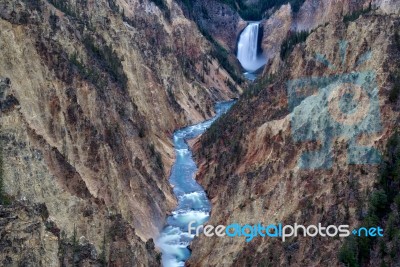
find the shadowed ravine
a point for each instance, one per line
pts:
(193, 204)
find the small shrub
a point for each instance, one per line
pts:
(356, 14)
(89, 73)
(64, 6)
(103, 254)
(347, 254)
(113, 6)
(162, 5)
(395, 91)
(156, 156)
(2, 194)
(378, 203)
(53, 20)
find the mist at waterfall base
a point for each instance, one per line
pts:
(247, 50)
(193, 204)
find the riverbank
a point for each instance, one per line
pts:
(193, 204)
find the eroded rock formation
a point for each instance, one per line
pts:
(91, 93)
(250, 160)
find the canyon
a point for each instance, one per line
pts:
(90, 97)
(253, 162)
(92, 92)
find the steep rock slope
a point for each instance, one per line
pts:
(221, 25)
(315, 13)
(285, 22)
(31, 238)
(250, 160)
(91, 92)
(220, 21)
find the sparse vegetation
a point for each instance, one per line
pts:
(187, 66)
(395, 77)
(256, 9)
(347, 255)
(71, 252)
(33, 4)
(156, 157)
(231, 85)
(255, 88)
(89, 73)
(356, 14)
(173, 101)
(222, 55)
(53, 20)
(62, 251)
(4, 198)
(103, 254)
(74, 241)
(289, 43)
(162, 5)
(108, 59)
(65, 6)
(1, 178)
(114, 6)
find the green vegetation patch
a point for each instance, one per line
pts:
(356, 14)
(291, 41)
(383, 210)
(256, 10)
(4, 198)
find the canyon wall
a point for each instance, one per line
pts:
(91, 92)
(222, 22)
(284, 22)
(253, 162)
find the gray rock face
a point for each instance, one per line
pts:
(27, 237)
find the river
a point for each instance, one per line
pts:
(193, 204)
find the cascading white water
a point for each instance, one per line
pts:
(247, 53)
(193, 204)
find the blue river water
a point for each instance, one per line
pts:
(193, 204)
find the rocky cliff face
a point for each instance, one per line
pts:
(25, 226)
(315, 13)
(284, 21)
(91, 92)
(251, 161)
(31, 238)
(220, 21)
(275, 30)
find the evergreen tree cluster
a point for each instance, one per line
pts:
(254, 11)
(289, 43)
(356, 14)
(383, 211)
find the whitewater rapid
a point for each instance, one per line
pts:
(193, 204)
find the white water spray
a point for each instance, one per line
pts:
(248, 54)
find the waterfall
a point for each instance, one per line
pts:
(248, 53)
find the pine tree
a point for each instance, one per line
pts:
(2, 194)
